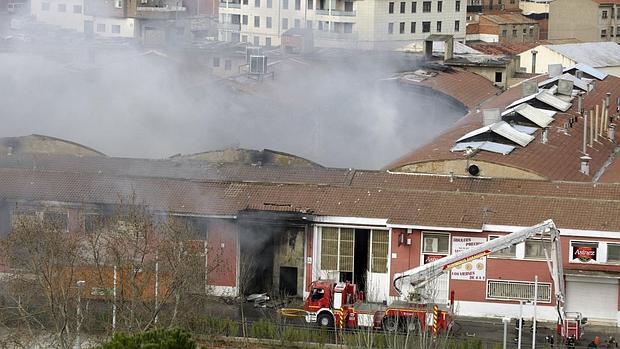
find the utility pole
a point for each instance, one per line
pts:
(534, 322)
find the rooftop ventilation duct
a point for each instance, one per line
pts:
(529, 88)
(490, 116)
(555, 70)
(565, 87)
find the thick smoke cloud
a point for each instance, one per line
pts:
(341, 111)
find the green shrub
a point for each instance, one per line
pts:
(264, 329)
(157, 339)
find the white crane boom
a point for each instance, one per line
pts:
(419, 276)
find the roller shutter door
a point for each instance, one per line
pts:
(595, 298)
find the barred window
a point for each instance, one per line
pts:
(517, 290)
(379, 251)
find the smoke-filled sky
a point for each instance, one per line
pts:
(338, 111)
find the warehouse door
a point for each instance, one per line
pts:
(595, 298)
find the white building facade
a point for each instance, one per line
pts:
(364, 24)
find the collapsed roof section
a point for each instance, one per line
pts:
(501, 129)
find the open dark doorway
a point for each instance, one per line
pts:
(256, 260)
(288, 281)
(360, 267)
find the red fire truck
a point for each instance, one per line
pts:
(334, 304)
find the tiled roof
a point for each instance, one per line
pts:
(401, 199)
(468, 88)
(603, 2)
(556, 160)
(514, 48)
(508, 19)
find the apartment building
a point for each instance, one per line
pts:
(585, 20)
(492, 6)
(364, 24)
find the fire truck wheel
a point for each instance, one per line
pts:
(390, 324)
(325, 320)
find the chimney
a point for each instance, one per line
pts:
(585, 132)
(579, 104)
(554, 70)
(529, 87)
(585, 165)
(611, 133)
(544, 135)
(448, 49)
(607, 99)
(591, 128)
(534, 52)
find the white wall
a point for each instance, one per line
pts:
(544, 57)
(127, 26)
(68, 19)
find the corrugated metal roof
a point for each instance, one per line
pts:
(522, 100)
(525, 129)
(582, 85)
(533, 114)
(503, 129)
(553, 101)
(588, 70)
(488, 146)
(594, 54)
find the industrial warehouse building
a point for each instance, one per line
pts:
(300, 221)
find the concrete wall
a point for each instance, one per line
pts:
(544, 57)
(289, 252)
(458, 167)
(579, 19)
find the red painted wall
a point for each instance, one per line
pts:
(222, 252)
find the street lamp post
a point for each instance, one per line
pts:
(80, 286)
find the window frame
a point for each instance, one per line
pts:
(427, 7)
(615, 262)
(498, 254)
(535, 258)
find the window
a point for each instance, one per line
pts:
(535, 249)
(498, 76)
(268, 22)
(55, 220)
(77, 8)
(244, 38)
(297, 5)
(100, 27)
(613, 253)
(457, 6)
(391, 7)
(297, 23)
(244, 19)
(337, 249)
(309, 24)
(245, 2)
(603, 33)
(62, 8)
(390, 28)
(508, 252)
(284, 23)
(514, 33)
(403, 5)
(310, 5)
(348, 28)
(256, 3)
(604, 14)
(116, 29)
(426, 6)
(216, 62)
(401, 29)
(45, 6)
(285, 4)
(414, 7)
(531, 31)
(439, 6)
(457, 26)
(320, 25)
(412, 27)
(379, 245)
(518, 290)
(228, 62)
(439, 26)
(426, 27)
(256, 21)
(256, 41)
(504, 32)
(436, 243)
(348, 6)
(269, 3)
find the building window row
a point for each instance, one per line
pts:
(269, 22)
(426, 27)
(285, 5)
(426, 6)
(45, 6)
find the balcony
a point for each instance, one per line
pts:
(335, 13)
(230, 4)
(229, 27)
(161, 9)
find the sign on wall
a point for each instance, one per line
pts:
(471, 270)
(584, 252)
